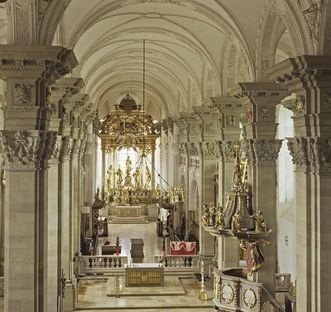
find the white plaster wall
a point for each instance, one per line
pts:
(286, 215)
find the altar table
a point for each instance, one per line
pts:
(144, 274)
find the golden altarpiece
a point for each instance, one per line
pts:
(130, 188)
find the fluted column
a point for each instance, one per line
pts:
(309, 78)
(259, 101)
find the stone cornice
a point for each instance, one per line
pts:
(256, 89)
(47, 62)
(306, 68)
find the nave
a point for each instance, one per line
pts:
(180, 291)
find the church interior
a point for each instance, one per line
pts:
(161, 155)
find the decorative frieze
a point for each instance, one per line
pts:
(22, 149)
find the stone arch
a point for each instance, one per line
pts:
(276, 19)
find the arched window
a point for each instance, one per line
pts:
(286, 217)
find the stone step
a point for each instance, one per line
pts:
(129, 220)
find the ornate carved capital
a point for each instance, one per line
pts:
(228, 150)
(22, 149)
(312, 154)
(210, 150)
(298, 148)
(66, 150)
(76, 148)
(53, 148)
(194, 149)
(266, 150)
(182, 148)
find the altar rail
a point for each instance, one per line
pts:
(181, 263)
(239, 294)
(103, 263)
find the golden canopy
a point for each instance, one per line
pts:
(128, 126)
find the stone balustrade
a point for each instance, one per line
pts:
(233, 292)
(185, 263)
(103, 263)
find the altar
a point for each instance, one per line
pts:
(144, 274)
(129, 211)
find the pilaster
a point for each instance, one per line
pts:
(259, 101)
(309, 77)
(230, 110)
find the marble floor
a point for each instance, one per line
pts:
(94, 295)
(152, 243)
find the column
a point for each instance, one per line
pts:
(153, 168)
(28, 252)
(259, 101)
(231, 115)
(309, 78)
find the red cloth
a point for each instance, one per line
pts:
(183, 248)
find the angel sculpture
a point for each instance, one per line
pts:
(212, 214)
(235, 223)
(260, 225)
(219, 222)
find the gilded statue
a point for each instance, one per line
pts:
(235, 223)
(109, 183)
(260, 225)
(205, 216)
(128, 165)
(148, 178)
(137, 178)
(119, 177)
(219, 222)
(212, 214)
(158, 191)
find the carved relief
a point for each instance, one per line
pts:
(326, 102)
(210, 126)
(266, 150)
(22, 94)
(193, 149)
(22, 15)
(209, 149)
(182, 148)
(265, 114)
(231, 121)
(22, 149)
(298, 148)
(313, 17)
(228, 150)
